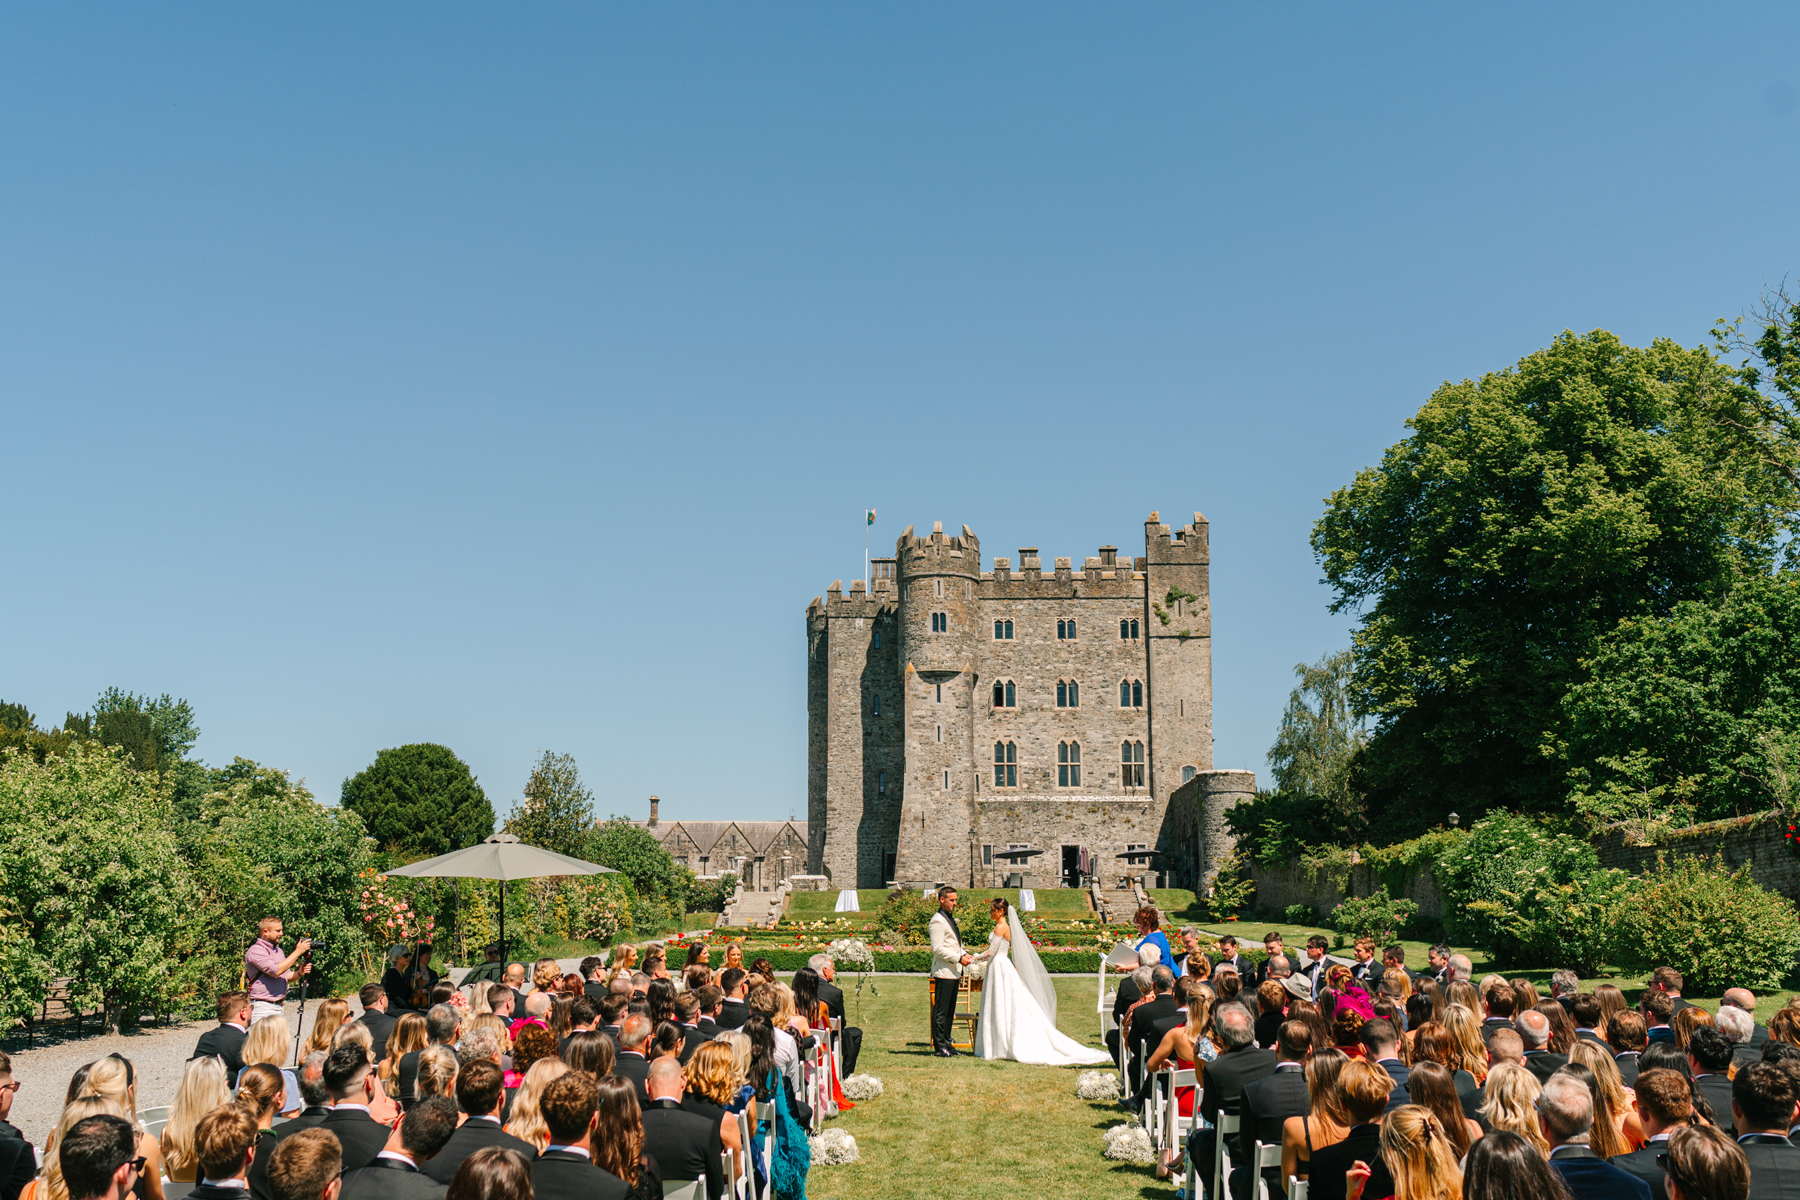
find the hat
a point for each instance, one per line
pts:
(1298, 987)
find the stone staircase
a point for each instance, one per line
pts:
(755, 908)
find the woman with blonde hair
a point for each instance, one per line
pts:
(1185, 1045)
(624, 958)
(545, 975)
(408, 1035)
(1325, 1125)
(709, 1089)
(1398, 984)
(1463, 992)
(203, 1088)
(49, 1184)
(1510, 1103)
(437, 1073)
(332, 1013)
(268, 1044)
(1420, 1155)
(527, 1118)
(1464, 1029)
(1686, 1021)
(1613, 1099)
(112, 1078)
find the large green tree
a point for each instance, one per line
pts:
(419, 799)
(1527, 514)
(1320, 736)
(557, 812)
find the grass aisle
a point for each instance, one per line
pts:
(964, 1129)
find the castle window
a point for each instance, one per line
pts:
(940, 622)
(1128, 630)
(1006, 765)
(1188, 773)
(940, 693)
(1004, 695)
(1068, 694)
(1065, 630)
(939, 587)
(940, 730)
(1131, 693)
(1003, 631)
(987, 855)
(877, 700)
(1068, 764)
(1131, 764)
(946, 779)
(881, 783)
(878, 639)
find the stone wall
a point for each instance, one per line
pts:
(1757, 842)
(1289, 883)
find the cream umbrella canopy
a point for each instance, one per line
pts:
(503, 857)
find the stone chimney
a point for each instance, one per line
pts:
(653, 805)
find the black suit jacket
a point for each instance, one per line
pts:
(733, 1013)
(693, 1037)
(1544, 1063)
(1225, 1078)
(1774, 1166)
(379, 1025)
(708, 1026)
(361, 1136)
(1628, 1067)
(1143, 1023)
(595, 991)
(17, 1164)
(476, 1133)
(1591, 1177)
(1642, 1163)
(1717, 1090)
(211, 1191)
(1126, 997)
(390, 1179)
(833, 996)
(1268, 1102)
(258, 1178)
(685, 1146)
(1492, 1025)
(636, 1068)
(226, 1041)
(1401, 1073)
(1326, 1167)
(560, 1175)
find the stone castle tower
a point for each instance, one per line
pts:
(955, 712)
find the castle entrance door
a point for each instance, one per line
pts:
(1071, 866)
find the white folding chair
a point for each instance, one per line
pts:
(1101, 1006)
(1296, 1188)
(1176, 1126)
(695, 1190)
(837, 1044)
(1266, 1156)
(155, 1128)
(744, 1174)
(1227, 1125)
(147, 1115)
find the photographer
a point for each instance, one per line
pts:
(268, 972)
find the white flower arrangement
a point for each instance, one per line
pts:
(1097, 1085)
(976, 969)
(1131, 1144)
(862, 1087)
(852, 952)
(833, 1148)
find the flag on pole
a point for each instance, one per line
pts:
(871, 515)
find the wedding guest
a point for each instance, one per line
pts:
(1267, 1104)
(227, 1141)
(226, 1039)
(351, 1082)
(528, 1122)
(1509, 1101)
(1705, 1164)
(113, 1078)
(330, 1014)
(1565, 1112)
(203, 1088)
(1416, 1154)
(1686, 1021)
(1505, 1166)
(1626, 1038)
(397, 1172)
(494, 1173)
(619, 1142)
(407, 1037)
(1663, 1103)
(1617, 1128)
(308, 1165)
(685, 1146)
(1431, 1086)
(268, 1045)
(590, 1052)
(481, 1095)
(1365, 1089)
(1762, 1107)
(575, 1145)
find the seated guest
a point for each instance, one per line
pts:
(495, 1173)
(1658, 1009)
(832, 995)
(525, 1118)
(686, 1147)
(226, 1039)
(308, 1165)
(203, 1088)
(397, 1172)
(1141, 1018)
(1504, 1166)
(1626, 1038)
(734, 1009)
(710, 1091)
(350, 1081)
(17, 1158)
(442, 1027)
(619, 1141)
(375, 1018)
(1241, 1061)
(1705, 1164)
(1364, 1088)
(1270, 1102)
(268, 1045)
(1738, 1027)
(1509, 1101)
(1534, 1031)
(1709, 1066)
(1496, 1007)
(633, 1062)
(710, 996)
(1381, 1046)
(1457, 969)
(1565, 985)
(1346, 1032)
(590, 1052)
(96, 1159)
(1562, 1027)
(514, 979)
(567, 1167)
(1431, 1086)
(1762, 1107)
(226, 1140)
(1566, 1116)
(1417, 1151)
(1663, 1104)
(1686, 1021)
(1617, 1129)
(502, 1002)
(407, 1038)
(1272, 949)
(315, 1107)
(1584, 1010)
(1744, 1001)
(612, 1011)
(1668, 982)
(1185, 1045)
(1271, 1003)
(687, 1020)
(437, 1073)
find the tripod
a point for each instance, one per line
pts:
(305, 976)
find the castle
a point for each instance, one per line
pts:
(955, 714)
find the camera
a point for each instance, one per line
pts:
(318, 943)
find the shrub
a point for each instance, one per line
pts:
(1718, 928)
(1232, 888)
(903, 918)
(1300, 914)
(1528, 895)
(1380, 916)
(419, 799)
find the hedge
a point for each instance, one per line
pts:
(1059, 962)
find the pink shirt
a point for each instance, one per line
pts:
(262, 966)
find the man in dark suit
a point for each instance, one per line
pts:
(226, 1040)
(1381, 1046)
(1141, 1020)
(352, 1083)
(686, 1147)
(734, 1009)
(1268, 1102)
(1365, 970)
(1497, 1010)
(1229, 953)
(1744, 1000)
(565, 1170)
(1659, 1010)
(611, 1013)
(631, 1062)
(1664, 1104)
(395, 1173)
(1709, 1063)
(710, 995)
(480, 1092)
(375, 1018)
(1566, 1116)
(582, 1019)
(687, 1017)
(1364, 1089)
(1241, 1062)
(1534, 1031)
(309, 1165)
(1131, 990)
(1312, 967)
(1584, 1011)
(1668, 981)
(1272, 947)
(833, 996)
(226, 1141)
(514, 979)
(1625, 1038)
(593, 977)
(18, 1163)
(1762, 1106)
(317, 1101)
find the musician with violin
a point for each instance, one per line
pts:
(268, 970)
(409, 978)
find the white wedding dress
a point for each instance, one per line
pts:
(1018, 1008)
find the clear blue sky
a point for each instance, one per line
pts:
(513, 380)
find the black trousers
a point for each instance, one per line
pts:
(943, 1006)
(852, 1047)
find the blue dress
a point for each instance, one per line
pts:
(1156, 938)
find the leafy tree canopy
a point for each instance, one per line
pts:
(156, 732)
(623, 845)
(1528, 513)
(419, 800)
(557, 812)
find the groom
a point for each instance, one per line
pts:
(947, 961)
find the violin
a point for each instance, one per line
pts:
(420, 980)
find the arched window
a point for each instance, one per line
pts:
(1004, 696)
(1068, 764)
(1128, 630)
(1065, 629)
(1003, 631)
(1131, 693)
(1188, 773)
(1006, 765)
(1068, 694)
(1131, 764)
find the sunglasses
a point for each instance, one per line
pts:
(136, 1164)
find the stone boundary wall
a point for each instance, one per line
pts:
(1277, 887)
(1757, 841)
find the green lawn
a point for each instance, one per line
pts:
(969, 1129)
(813, 906)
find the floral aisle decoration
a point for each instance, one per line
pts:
(833, 1148)
(1131, 1144)
(855, 954)
(861, 1087)
(1097, 1085)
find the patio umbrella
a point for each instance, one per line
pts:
(503, 857)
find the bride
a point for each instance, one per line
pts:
(1018, 1004)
